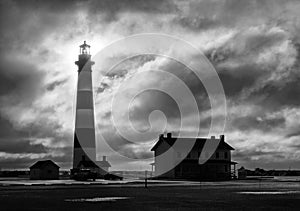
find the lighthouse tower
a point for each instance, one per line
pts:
(84, 137)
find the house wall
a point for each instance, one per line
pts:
(102, 170)
(34, 174)
(47, 172)
(189, 167)
(50, 172)
(221, 155)
(161, 162)
(208, 171)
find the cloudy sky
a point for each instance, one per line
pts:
(253, 45)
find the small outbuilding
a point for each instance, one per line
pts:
(99, 167)
(44, 170)
(104, 166)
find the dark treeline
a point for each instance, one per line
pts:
(262, 172)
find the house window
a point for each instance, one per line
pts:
(226, 155)
(217, 155)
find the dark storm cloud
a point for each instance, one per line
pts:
(278, 97)
(250, 153)
(246, 74)
(293, 134)
(21, 146)
(24, 27)
(245, 44)
(27, 23)
(155, 6)
(235, 79)
(21, 142)
(203, 15)
(8, 131)
(266, 160)
(21, 81)
(112, 7)
(41, 128)
(155, 100)
(55, 84)
(128, 151)
(252, 122)
(24, 162)
(16, 163)
(32, 153)
(296, 146)
(44, 128)
(123, 66)
(257, 27)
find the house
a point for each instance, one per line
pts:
(217, 166)
(99, 167)
(104, 166)
(44, 169)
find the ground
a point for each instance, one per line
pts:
(232, 195)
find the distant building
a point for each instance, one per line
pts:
(44, 169)
(242, 173)
(104, 165)
(99, 167)
(217, 167)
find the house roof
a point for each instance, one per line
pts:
(103, 163)
(43, 163)
(199, 143)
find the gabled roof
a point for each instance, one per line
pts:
(103, 163)
(199, 143)
(43, 163)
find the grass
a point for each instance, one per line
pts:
(223, 196)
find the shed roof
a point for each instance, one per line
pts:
(43, 163)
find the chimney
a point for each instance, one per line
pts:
(161, 136)
(222, 138)
(104, 158)
(212, 137)
(169, 135)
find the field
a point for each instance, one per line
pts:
(233, 195)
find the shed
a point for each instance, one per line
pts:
(44, 169)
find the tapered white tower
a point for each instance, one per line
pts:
(84, 137)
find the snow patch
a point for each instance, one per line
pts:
(270, 192)
(97, 199)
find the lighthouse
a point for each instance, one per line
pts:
(84, 135)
